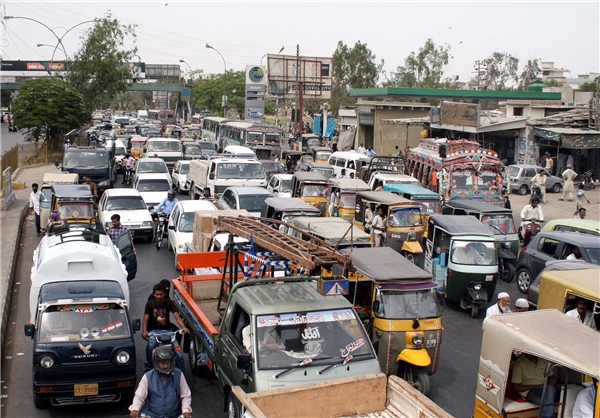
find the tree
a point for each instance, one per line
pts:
(207, 92)
(47, 108)
(531, 72)
(353, 68)
(423, 69)
(553, 83)
(591, 86)
(501, 68)
(100, 68)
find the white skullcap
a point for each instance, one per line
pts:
(503, 295)
(522, 303)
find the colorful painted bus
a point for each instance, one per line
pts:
(210, 128)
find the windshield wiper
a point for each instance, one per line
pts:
(495, 227)
(301, 364)
(346, 359)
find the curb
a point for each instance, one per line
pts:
(11, 278)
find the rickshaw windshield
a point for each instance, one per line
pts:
(75, 210)
(474, 253)
(499, 224)
(408, 305)
(137, 145)
(348, 200)
(322, 156)
(64, 323)
(327, 173)
(313, 190)
(297, 339)
(405, 217)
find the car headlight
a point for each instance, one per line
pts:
(47, 362)
(477, 286)
(146, 223)
(123, 357)
(417, 339)
(506, 245)
(104, 183)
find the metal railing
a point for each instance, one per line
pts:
(10, 159)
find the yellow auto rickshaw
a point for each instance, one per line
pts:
(341, 198)
(404, 313)
(567, 353)
(312, 188)
(321, 154)
(74, 204)
(137, 145)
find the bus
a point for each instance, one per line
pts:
(457, 168)
(210, 128)
(233, 133)
(165, 116)
(264, 135)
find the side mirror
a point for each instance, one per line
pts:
(172, 227)
(376, 306)
(57, 163)
(30, 330)
(275, 191)
(150, 208)
(145, 150)
(211, 176)
(244, 361)
(136, 324)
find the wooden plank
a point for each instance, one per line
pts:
(247, 402)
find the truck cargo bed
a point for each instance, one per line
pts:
(209, 308)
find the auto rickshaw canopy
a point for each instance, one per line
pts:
(349, 184)
(554, 283)
(460, 225)
(332, 230)
(72, 192)
(474, 206)
(309, 176)
(384, 264)
(283, 204)
(383, 198)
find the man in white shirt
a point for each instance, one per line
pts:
(342, 174)
(582, 314)
(575, 254)
(568, 176)
(584, 403)
(378, 227)
(539, 180)
(34, 206)
(531, 211)
(501, 307)
(362, 149)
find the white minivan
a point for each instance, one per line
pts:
(352, 161)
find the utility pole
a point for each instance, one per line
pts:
(478, 66)
(298, 92)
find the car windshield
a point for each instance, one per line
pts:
(193, 150)
(285, 186)
(512, 171)
(164, 146)
(274, 138)
(152, 167)
(593, 254)
(119, 151)
(240, 171)
(252, 203)
(185, 169)
(500, 224)
(297, 339)
(75, 210)
(125, 203)
(186, 222)
(474, 253)
(93, 322)
(313, 190)
(153, 185)
(405, 217)
(396, 304)
(274, 167)
(85, 159)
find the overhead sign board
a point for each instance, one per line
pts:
(285, 72)
(255, 93)
(463, 114)
(44, 68)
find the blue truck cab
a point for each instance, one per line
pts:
(98, 163)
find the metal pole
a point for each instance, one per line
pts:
(224, 98)
(297, 83)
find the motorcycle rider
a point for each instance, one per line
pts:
(531, 211)
(168, 204)
(128, 163)
(163, 389)
(539, 180)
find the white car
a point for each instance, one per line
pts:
(151, 166)
(152, 187)
(280, 185)
(120, 151)
(179, 176)
(128, 204)
(248, 198)
(181, 223)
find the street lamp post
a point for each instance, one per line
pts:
(185, 84)
(224, 99)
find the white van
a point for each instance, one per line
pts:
(238, 151)
(352, 161)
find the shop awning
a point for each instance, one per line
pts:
(570, 137)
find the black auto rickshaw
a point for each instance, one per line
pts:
(290, 158)
(501, 224)
(285, 209)
(311, 187)
(461, 254)
(402, 310)
(74, 204)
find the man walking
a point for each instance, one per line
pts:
(116, 229)
(34, 206)
(568, 176)
(378, 227)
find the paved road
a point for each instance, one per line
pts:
(9, 139)
(453, 384)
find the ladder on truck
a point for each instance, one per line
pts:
(281, 250)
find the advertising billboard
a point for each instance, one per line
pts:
(255, 94)
(285, 72)
(43, 68)
(464, 114)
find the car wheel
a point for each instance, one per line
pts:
(523, 280)
(556, 188)
(523, 190)
(40, 402)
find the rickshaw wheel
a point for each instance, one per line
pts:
(474, 311)
(416, 376)
(410, 257)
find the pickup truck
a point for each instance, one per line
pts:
(273, 333)
(365, 396)
(221, 173)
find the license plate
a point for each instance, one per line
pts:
(489, 278)
(86, 390)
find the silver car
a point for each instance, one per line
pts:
(248, 198)
(521, 175)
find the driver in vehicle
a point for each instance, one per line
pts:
(467, 255)
(268, 339)
(528, 376)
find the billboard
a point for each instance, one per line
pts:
(42, 68)
(255, 94)
(286, 71)
(464, 114)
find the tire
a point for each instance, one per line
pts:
(410, 257)
(40, 403)
(523, 190)
(556, 188)
(474, 311)
(159, 238)
(192, 357)
(233, 407)
(508, 273)
(420, 379)
(192, 192)
(523, 280)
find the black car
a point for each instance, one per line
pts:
(549, 246)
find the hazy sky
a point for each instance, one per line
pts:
(566, 33)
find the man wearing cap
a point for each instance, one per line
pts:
(521, 305)
(501, 307)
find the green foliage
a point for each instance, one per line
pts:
(99, 69)
(269, 107)
(591, 86)
(423, 69)
(353, 68)
(501, 69)
(47, 108)
(531, 72)
(207, 92)
(553, 83)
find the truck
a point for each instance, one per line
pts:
(365, 396)
(273, 332)
(169, 150)
(83, 346)
(97, 163)
(218, 173)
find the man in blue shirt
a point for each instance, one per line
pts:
(167, 204)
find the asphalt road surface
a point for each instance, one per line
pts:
(9, 139)
(453, 385)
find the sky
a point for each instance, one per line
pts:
(566, 33)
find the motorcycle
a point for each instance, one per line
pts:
(587, 180)
(536, 192)
(532, 227)
(506, 271)
(169, 338)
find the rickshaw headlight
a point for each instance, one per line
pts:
(477, 286)
(506, 245)
(412, 236)
(417, 339)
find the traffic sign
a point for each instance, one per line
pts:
(334, 287)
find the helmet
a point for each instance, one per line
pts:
(171, 193)
(163, 359)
